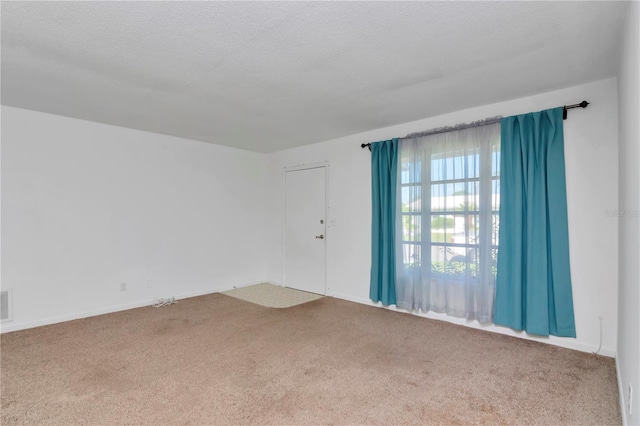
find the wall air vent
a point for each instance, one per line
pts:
(6, 313)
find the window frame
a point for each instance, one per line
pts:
(485, 151)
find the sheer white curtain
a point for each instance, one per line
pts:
(447, 222)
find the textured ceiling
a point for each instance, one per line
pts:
(269, 76)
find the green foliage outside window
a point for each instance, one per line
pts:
(453, 268)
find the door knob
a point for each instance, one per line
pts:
(320, 237)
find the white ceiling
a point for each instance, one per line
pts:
(268, 76)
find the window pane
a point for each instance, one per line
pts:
(411, 227)
(437, 171)
(468, 202)
(474, 228)
(459, 167)
(410, 171)
(495, 226)
(411, 198)
(459, 189)
(438, 197)
(495, 194)
(495, 163)
(411, 255)
(466, 229)
(441, 228)
(440, 253)
(473, 195)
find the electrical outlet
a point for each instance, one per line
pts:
(630, 399)
(149, 284)
(123, 286)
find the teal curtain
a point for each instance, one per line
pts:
(384, 171)
(533, 286)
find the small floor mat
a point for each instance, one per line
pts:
(272, 296)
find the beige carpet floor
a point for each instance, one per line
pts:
(272, 296)
(219, 360)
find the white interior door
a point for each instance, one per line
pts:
(304, 230)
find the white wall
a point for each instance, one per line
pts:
(87, 206)
(628, 354)
(591, 140)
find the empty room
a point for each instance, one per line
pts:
(320, 213)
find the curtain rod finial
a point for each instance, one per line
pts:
(584, 104)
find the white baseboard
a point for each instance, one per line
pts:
(9, 327)
(6, 328)
(352, 299)
(564, 342)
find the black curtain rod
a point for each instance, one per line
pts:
(582, 104)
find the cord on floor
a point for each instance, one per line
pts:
(164, 302)
(600, 345)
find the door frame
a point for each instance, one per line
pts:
(308, 166)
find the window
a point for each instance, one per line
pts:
(454, 209)
(449, 190)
